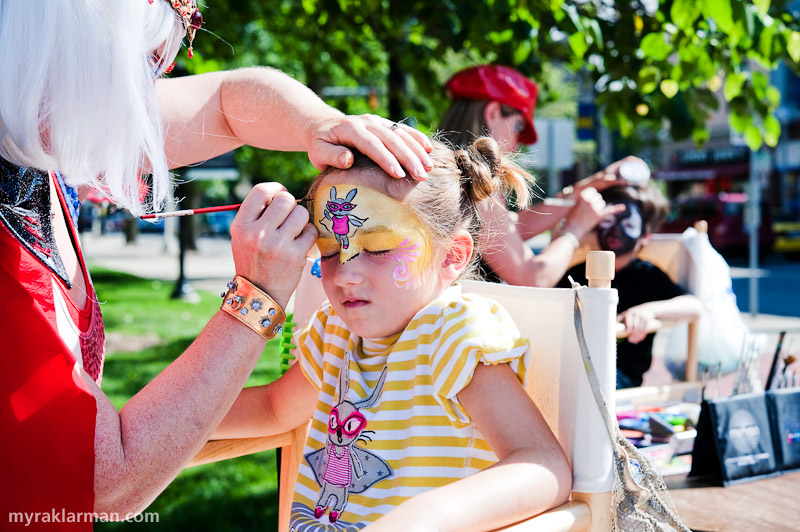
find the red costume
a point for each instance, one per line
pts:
(47, 411)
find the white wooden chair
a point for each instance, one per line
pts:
(668, 252)
(556, 381)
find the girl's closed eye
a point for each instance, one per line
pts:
(378, 253)
(328, 257)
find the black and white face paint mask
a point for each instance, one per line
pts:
(620, 232)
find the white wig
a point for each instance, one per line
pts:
(77, 91)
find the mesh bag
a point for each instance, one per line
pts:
(640, 499)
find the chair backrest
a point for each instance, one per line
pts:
(556, 379)
(668, 252)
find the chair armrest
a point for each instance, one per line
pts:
(652, 326)
(692, 350)
(570, 517)
(216, 450)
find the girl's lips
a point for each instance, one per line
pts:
(354, 303)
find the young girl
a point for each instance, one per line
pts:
(419, 417)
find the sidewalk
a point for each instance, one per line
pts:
(208, 268)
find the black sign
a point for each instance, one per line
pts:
(712, 156)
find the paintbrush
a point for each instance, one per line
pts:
(308, 203)
(740, 365)
(788, 360)
(774, 367)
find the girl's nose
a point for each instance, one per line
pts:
(350, 272)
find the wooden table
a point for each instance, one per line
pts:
(761, 505)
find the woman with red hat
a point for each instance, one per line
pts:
(499, 101)
(490, 100)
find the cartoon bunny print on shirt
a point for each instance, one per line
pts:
(336, 210)
(341, 467)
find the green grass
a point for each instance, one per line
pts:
(238, 494)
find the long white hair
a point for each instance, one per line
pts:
(77, 91)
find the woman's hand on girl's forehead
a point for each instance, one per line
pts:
(393, 146)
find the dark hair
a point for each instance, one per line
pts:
(651, 202)
(460, 180)
(465, 121)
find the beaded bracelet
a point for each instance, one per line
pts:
(253, 307)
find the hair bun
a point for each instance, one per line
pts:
(479, 164)
(485, 171)
(489, 151)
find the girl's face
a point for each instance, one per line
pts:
(378, 267)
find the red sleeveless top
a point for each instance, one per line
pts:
(47, 411)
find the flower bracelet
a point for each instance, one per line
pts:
(253, 307)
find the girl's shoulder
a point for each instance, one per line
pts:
(456, 308)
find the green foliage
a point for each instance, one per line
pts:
(404, 51)
(147, 330)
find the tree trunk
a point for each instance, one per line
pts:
(187, 193)
(397, 87)
(131, 229)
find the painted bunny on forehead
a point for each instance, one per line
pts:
(341, 467)
(336, 210)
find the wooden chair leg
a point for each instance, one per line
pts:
(291, 455)
(693, 351)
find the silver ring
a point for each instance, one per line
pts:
(394, 126)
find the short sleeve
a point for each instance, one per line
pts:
(309, 345)
(473, 330)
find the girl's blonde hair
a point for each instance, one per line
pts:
(460, 181)
(78, 95)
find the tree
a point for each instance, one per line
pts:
(651, 63)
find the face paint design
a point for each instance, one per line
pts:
(406, 255)
(336, 210)
(366, 220)
(620, 233)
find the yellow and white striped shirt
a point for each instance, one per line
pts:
(417, 435)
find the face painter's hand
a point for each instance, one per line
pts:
(607, 177)
(393, 147)
(270, 237)
(589, 209)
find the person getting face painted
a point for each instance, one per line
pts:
(621, 232)
(354, 219)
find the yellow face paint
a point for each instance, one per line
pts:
(352, 219)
